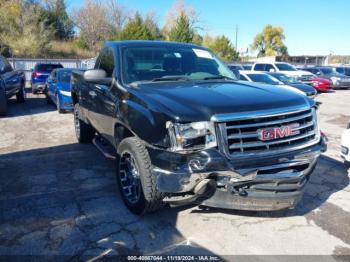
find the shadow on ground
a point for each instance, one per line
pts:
(64, 201)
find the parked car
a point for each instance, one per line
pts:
(338, 80)
(344, 70)
(235, 68)
(185, 131)
(40, 74)
(322, 84)
(264, 78)
(294, 82)
(58, 89)
(247, 66)
(345, 145)
(12, 83)
(285, 68)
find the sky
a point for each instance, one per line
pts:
(312, 27)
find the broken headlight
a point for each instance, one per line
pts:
(191, 136)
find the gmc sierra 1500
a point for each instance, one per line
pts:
(185, 131)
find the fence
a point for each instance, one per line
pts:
(27, 64)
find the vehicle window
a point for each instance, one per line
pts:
(2, 65)
(47, 67)
(247, 67)
(107, 61)
(64, 76)
(285, 67)
(340, 70)
(235, 67)
(347, 71)
(259, 67)
(243, 78)
(326, 70)
(173, 62)
(268, 67)
(286, 79)
(264, 78)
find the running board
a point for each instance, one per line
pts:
(104, 147)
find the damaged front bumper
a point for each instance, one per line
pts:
(210, 178)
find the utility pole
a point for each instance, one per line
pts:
(236, 37)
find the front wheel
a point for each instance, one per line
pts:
(21, 94)
(3, 101)
(137, 185)
(84, 132)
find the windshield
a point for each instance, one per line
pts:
(64, 76)
(286, 79)
(263, 78)
(171, 64)
(327, 70)
(47, 67)
(285, 67)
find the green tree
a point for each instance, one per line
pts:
(55, 15)
(222, 47)
(270, 42)
(21, 29)
(182, 31)
(136, 29)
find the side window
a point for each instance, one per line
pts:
(268, 67)
(259, 67)
(107, 61)
(243, 78)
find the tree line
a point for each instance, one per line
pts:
(33, 28)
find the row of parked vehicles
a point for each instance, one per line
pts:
(183, 130)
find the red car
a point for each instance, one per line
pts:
(322, 84)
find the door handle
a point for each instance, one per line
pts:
(92, 93)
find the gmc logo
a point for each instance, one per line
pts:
(278, 132)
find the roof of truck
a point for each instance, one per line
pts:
(151, 43)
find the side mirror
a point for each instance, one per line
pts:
(97, 76)
(272, 70)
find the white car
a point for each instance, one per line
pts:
(345, 145)
(285, 68)
(263, 78)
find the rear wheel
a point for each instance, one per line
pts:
(21, 95)
(3, 100)
(137, 184)
(84, 132)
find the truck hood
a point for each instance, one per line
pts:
(188, 101)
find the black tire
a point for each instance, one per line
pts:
(58, 105)
(149, 199)
(34, 92)
(84, 132)
(21, 95)
(3, 101)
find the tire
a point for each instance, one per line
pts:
(34, 92)
(21, 95)
(58, 104)
(149, 198)
(3, 101)
(84, 132)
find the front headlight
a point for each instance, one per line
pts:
(192, 136)
(65, 93)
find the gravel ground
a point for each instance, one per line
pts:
(58, 197)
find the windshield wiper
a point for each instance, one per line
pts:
(218, 77)
(171, 78)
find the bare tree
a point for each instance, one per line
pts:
(118, 14)
(92, 21)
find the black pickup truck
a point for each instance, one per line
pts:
(185, 131)
(11, 83)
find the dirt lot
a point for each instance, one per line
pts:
(59, 197)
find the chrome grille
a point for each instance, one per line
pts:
(241, 137)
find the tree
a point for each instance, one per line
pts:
(270, 42)
(222, 47)
(182, 30)
(55, 15)
(22, 30)
(117, 15)
(181, 23)
(152, 25)
(136, 29)
(92, 21)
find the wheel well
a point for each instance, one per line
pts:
(120, 133)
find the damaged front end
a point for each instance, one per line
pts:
(241, 171)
